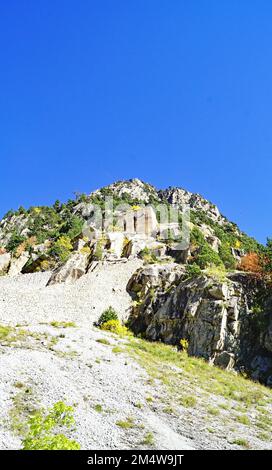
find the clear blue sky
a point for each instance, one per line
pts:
(174, 92)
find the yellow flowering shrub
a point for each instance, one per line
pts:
(115, 327)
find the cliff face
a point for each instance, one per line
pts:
(213, 318)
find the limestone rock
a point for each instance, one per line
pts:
(17, 264)
(4, 262)
(214, 316)
(116, 243)
(72, 270)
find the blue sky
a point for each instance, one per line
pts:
(174, 92)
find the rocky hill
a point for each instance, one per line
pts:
(210, 301)
(41, 237)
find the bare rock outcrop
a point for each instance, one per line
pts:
(4, 263)
(217, 318)
(72, 270)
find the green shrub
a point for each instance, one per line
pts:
(42, 425)
(188, 401)
(15, 240)
(226, 256)
(72, 227)
(115, 327)
(57, 442)
(193, 270)
(207, 256)
(184, 344)
(62, 248)
(217, 272)
(107, 315)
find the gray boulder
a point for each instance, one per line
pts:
(72, 270)
(17, 264)
(4, 263)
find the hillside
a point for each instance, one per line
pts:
(209, 302)
(45, 236)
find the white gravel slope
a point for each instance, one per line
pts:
(26, 299)
(96, 375)
(76, 368)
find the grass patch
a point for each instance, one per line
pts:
(188, 401)
(148, 439)
(98, 408)
(241, 442)
(23, 406)
(264, 436)
(213, 411)
(63, 324)
(169, 410)
(10, 335)
(103, 341)
(205, 384)
(158, 360)
(138, 405)
(117, 350)
(149, 399)
(127, 424)
(243, 419)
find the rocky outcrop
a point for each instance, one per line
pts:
(215, 317)
(4, 263)
(134, 189)
(72, 270)
(180, 197)
(17, 264)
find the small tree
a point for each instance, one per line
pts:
(251, 262)
(107, 315)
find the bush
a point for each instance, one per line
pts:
(184, 344)
(51, 442)
(226, 256)
(115, 327)
(251, 263)
(193, 270)
(62, 248)
(15, 240)
(207, 256)
(107, 315)
(72, 227)
(204, 255)
(217, 272)
(42, 425)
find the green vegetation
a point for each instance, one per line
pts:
(218, 273)
(117, 350)
(193, 270)
(23, 404)
(103, 341)
(148, 439)
(226, 256)
(98, 408)
(15, 240)
(9, 334)
(115, 326)
(241, 442)
(193, 382)
(61, 248)
(243, 419)
(63, 324)
(188, 401)
(127, 424)
(203, 254)
(43, 425)
(213, 411)
(107, 315)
